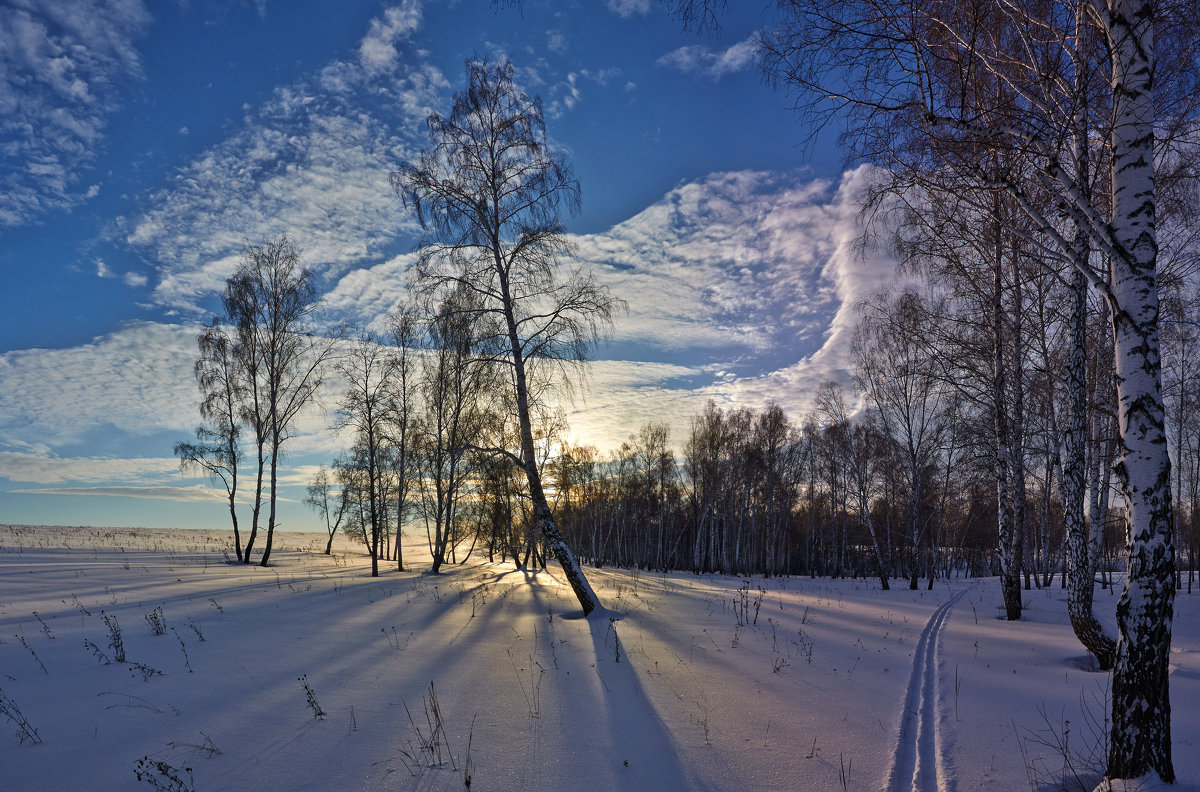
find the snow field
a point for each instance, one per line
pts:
(688, 682)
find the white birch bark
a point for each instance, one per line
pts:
(1141, 726)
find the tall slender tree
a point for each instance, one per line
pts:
(269, 300)
(218, 450)
(489, 195)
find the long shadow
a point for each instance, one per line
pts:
(649, 759)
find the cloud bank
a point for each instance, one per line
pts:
(742, 288)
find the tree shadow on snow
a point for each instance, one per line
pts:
(643, 752)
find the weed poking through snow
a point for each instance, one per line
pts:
(145, 670)
(10, 710)
(45, 627)
(431, 739)
(25, 643)
(183, 648)
(163, 776)
(191, 624)
(156, 622)
(96, 651)
(311, 698)
(115, 641)
(1074, 762)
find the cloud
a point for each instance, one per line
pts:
(41, 468)
(620, 396)
(628, 8)
(756, 278)
(378, 51)
(197, 493)
(742, 288)
(556, 41)
(61, 65)
(856, 272)
(567, 93)
(731, 264)
(136, 380)
(714, 64)
(312, 162)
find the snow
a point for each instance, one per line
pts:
(686, 682)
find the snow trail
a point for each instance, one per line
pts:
(916, 763)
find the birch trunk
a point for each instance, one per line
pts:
(543, 516)
(1141, 726)
(1080, 565)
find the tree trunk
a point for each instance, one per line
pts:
(1141, 706)
(1010, 582)
(1080, 569)
(271, 516)
(543, 516)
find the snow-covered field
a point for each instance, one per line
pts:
(488, 674)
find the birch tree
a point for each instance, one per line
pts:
(218, 450)
(269, 300)
(915, 74)
(489, 196)
(369, 371)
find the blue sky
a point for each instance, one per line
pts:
(144, 143)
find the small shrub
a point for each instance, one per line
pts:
(10, 710)
(311, 698)
(156, 622)
(96, 651)
(163, 776)
(115, 641)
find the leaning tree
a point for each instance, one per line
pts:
(489, 196)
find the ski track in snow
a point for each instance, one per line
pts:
(916, 763)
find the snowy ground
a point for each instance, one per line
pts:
(706, 683)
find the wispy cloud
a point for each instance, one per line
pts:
(313, 161)
(714, 64)
(747, 283)
(628, 8)
(61, 64)
(759, 278)
(732, 263)
(197, 493)
(378, 51)
(41, 468)
(137, 380)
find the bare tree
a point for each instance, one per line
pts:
(404, 328)
(861, 445)
(453, 384)
(269, 300)
(489, 196)
(330, 501)
(369, 371)
(218, 450)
